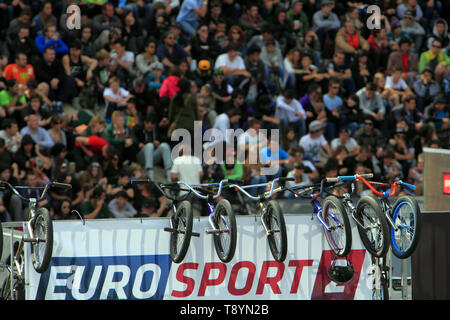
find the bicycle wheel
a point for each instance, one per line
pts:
(41, 249)
(180, 238)
(375, 234)
(1, 240)
(226, 237)
(339, 235)
(406, 217)
(277, 236)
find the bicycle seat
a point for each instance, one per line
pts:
(341, 274)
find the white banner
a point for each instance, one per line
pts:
(129, 259)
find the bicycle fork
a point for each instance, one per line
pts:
(214, 230)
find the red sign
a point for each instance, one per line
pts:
(446, 183)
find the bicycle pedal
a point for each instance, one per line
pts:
(173, 230)
(212, 231)
(195, 234)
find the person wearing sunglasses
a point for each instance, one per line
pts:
(436, 59)
(413, 29)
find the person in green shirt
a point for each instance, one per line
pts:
(95, 207)
(121, 137)
(436, 59)
(12, 99)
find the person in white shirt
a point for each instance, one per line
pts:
(301, 178)
(397, 87)
(313, 142)
(347, 141)
(227, 120)
(291, 112)
(116, 97)
(233, 65)
(11, 135)
(187, 167)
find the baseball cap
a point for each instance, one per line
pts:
(157, 66)
(315, 125)
(204, 65)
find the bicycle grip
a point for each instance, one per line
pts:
(366, 175)
(331, 179)
(61, 185)
(409, 186)
(137, 181)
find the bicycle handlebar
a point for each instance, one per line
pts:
(370, 184)
(265, 195)
(46, 187)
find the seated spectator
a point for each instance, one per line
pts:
(391, 169)
(237, 36)
(345, 139)
(273, 158)
(251, 21)
(415, 176)
(169, 87)
(50, 70)
(144, 60)
(121, 183)
(371, 103)
(314, 142)
(403, 152)
(363, 157)
(11, 135)
(121, 58)
(362, 69)
(438, 113)
(308, 74)
(414, 29)
(232, 65)
(103, 24)
(22, 42)
(12, 99)
(439, 32)
(408, 111)
(50, 39)
(290, 112)
(121, 137)
(351, 114)
(426, 89)
(152, 145)
(56, 131)
(21, 71)
(187, 167)
(337, 68)
(333, 104)
(435, 59)
(115, 97)
(150, 202)
(40, 136)
(350, 41)
(190, 12)
(396, 87)
(405, 60)
(301, 179)
(325, 22)
(370, 137)
(95, 207)
(170, 53)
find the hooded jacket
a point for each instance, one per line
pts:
(435, 35)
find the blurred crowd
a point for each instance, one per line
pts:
(92, 92)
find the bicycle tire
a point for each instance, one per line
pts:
(42, 230)
(277, 238)
(1, 240)
(376, 243)
(225, 241)
(404, 251)
(18, 289)
(182, 223)
(341, 247)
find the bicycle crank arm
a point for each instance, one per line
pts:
(194, 234)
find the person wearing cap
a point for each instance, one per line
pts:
(155, 77)
(313, 142)
(325, 21)
(413, 29)
(21, 71)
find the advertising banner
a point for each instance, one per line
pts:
(130, 260)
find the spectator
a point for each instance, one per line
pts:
(50, 39)
(291, 112)
(314, 142)
(39, 134)
(370, 137)
(301, 179)
(415, 176)
(439, 32)
(350, 41)
(438, 113)
(11, 135)
(333, 104)
(405, 60)
(21, 70)
(435, 59)
(426, 88)
(115, 97)
(371, 103)
(232, 65)
(12, 99)
(153, 146)
(187, 167)
(413, 28)
(183, 110)
(121, 137)
(103, 24)
(251, 21)
(337, 68)
(237, 35)
(396, 87)
(145, 59)
(273, 157)
(189, 14)
(95, 207)
(346, 140)
(325, 22)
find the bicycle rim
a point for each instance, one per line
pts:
(180, 239)
(225, 223)
(339, 233)
(277, 237)
(41, 250)
(405, 218)
(375, 234)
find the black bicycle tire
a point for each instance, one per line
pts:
(346, 225)
(1, 240)
(178, 255)
(225, 254)
(371, 202)
(42, 266)
(417, 216)
(273, 210)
